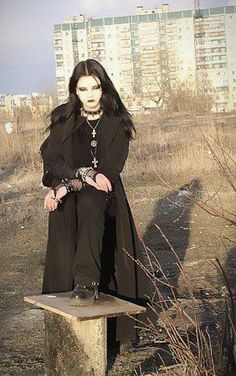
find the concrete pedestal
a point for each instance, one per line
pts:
(76, 337)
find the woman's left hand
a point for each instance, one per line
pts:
(103, 182)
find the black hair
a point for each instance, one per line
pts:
(110, 100)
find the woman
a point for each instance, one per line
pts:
(90, 222)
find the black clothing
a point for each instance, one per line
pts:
(120, 275)
(81, 144)
(91, 207)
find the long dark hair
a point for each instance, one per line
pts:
(110, 100)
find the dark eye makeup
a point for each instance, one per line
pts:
(94, 87)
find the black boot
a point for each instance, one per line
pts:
(84, 294)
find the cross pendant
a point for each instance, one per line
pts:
(94, 162)
(94, 133)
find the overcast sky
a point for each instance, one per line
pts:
(26, 34)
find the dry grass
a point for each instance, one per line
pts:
(167, 150)
(177, 147)
(20, 147)
(196, 349)
(170, 149)
(20, 160)
(167, 147)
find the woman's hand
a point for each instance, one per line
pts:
(102, 183)
(61, 192)
(49, 202)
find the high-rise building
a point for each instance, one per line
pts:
(150, 53)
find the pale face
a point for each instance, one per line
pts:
(89, 92)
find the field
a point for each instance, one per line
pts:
(182, 199)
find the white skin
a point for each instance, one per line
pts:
(89, 92)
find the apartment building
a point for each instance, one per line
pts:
(215, 32)
(35, 102)
(153, 52)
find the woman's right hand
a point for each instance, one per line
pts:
(50, 203)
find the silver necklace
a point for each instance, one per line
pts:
(93, 133)
(94, 161)
(94, 143)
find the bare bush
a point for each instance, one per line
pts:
(175, 147)
(175, 97)
(196, 349)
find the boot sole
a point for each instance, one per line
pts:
(77, 302)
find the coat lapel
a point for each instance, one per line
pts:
(110, 125)
(71, 125)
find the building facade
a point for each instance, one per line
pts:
(35, 102)
(153, 52)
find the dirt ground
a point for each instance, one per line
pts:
(195, 235)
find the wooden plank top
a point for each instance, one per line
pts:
(105, 306)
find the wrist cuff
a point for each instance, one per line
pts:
(83, 172)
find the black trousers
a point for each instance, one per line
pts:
(94, 257)
(93, 207)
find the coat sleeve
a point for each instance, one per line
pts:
(116, 156)
(57, 166)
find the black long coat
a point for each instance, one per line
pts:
(130, 281)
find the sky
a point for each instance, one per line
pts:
(27, 60)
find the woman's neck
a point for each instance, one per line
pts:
(95, 117)
(91, 115)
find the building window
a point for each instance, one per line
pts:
(97, 22)
(65, 26)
